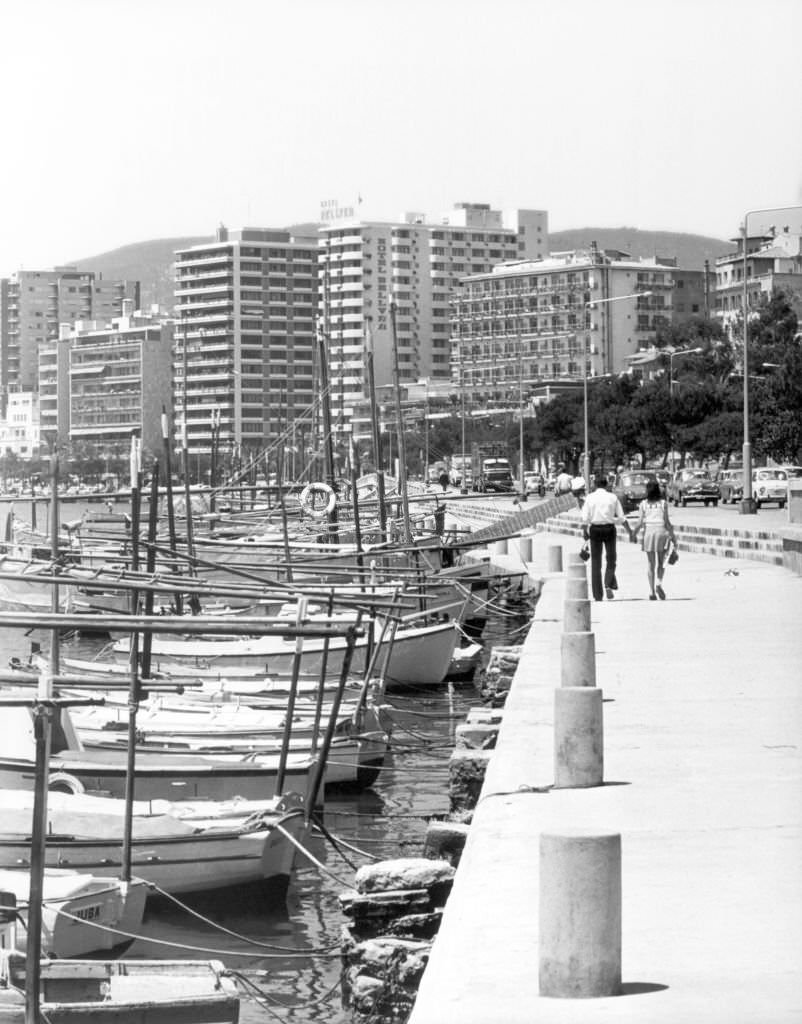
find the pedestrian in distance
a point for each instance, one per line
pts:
(579, 490)
(562, 484)
(443, 478)
(600, 515)
(658, 533)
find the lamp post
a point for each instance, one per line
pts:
(748, 505)
(592, 305)
(671, 382)
(671, 357)
(521, 416)
(463, 487)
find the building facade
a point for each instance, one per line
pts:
(367, 266)
(531, 324)
(19, 428)
(114, 379)
(33, 305)
(773, 260)
(245, 332)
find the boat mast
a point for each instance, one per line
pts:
(374, 421)
(327, 428)
(399, 419)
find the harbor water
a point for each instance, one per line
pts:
(288, 955)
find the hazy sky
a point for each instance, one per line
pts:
(133, 119)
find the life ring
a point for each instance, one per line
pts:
(308, 500)
(61, 782)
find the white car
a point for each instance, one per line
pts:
(770, 484)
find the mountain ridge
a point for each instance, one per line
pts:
(151, 262)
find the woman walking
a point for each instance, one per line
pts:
(657, 532)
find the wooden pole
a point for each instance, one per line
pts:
(374, 421)
(33, 948)
(399, 418)
(134, 691)
(327, 429)
(296, 669)
(150, 563)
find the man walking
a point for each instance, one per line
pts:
(600, 514)
(562, 485)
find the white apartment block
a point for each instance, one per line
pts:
(773, 261)
(417, 264)
(552, 320)
(33, 305)
(246, 307)
(19, 429)
(114, 379)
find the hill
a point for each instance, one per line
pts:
(691, 251)
(151, 262)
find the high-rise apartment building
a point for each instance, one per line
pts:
(33, 305)
(365, 265)
(245, 306)
(560, 318)
(110, 379)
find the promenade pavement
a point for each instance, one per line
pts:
(703, 772)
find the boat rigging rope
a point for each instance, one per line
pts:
(296, 955)
(260, 996)
(318, 864)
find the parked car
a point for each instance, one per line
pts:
(792, 472)
(693, 485)
(534, 483)
(731, 485)
(630, 487)
(770, 485)
(663, 478)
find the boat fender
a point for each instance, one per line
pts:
(307, 499)
(62, 782)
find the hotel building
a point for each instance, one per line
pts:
(543, 322)
(245, 307)
(417, 264)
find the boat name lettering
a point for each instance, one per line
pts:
(89, 913)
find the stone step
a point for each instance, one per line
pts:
(757, 545)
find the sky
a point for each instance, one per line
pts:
(127, 120)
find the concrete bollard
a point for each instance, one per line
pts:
(576, 571)
(578, 737)
(579, 955)
(577, 659)
(554, 554)
(501, 547)
(525, 549)
(576, 589)
(576, 616)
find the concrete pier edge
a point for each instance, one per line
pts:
(703, 712)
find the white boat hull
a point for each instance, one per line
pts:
(81, 913)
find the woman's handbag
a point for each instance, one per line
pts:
(673, 557)
(584, 552)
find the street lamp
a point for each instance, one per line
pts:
(748, 505)
(671, 357)
(463, 484)
(588, 350)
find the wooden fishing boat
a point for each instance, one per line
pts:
(179, 848)
(82, 913)
(121, 991)
(170, 776)
(420, 655)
